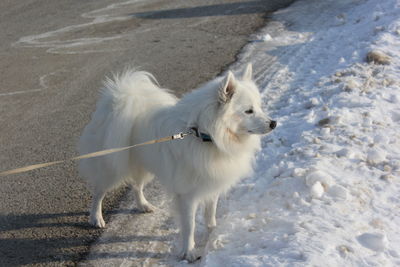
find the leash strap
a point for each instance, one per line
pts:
(95, 154)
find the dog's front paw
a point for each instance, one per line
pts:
(97, 221)
(190, 255)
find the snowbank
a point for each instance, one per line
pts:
(326, 189)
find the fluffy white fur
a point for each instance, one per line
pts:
(133, 109)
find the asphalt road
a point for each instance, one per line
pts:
(54, 55)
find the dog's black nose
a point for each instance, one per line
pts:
(272, 125)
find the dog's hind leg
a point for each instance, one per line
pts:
(96, 216)
(138, 182)
(210, 211)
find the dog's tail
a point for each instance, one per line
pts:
(127, 100)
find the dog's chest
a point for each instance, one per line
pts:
(222, 169)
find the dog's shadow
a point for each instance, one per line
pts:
(57, 238)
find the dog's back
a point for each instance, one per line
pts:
(126, 102)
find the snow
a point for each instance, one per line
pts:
(373, 241)
(327, 180)
(317, 190)
(326, 187)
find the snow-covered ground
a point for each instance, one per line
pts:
(326, 190)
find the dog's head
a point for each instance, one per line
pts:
(229, 110)
(240, 103)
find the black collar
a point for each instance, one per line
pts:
(203, 136)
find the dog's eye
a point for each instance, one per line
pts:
(249, 111)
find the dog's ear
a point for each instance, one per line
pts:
(227, 88)
(248, 73)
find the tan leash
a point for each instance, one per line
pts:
(95, 154)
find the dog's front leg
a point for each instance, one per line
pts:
(187, 207)
(210, 211)
(96, 216)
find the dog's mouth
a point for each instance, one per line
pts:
(261, 131)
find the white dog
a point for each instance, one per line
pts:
(226, 116)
